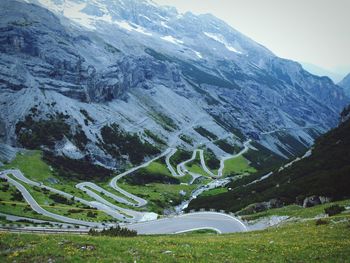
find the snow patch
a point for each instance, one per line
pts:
(73, 11)
(162, 17)
(142, 31)
(173, 40)
(131, 27)
(125, 25)
(219, 38)
(146, 17)
(163, 24)
(198, 54)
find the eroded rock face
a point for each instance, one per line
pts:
(49, 57)
(7, 153)
(345, 84)
(148, 67)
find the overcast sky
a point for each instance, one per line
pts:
(310, 31)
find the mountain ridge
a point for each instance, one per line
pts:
(345, 84)
(138, 77)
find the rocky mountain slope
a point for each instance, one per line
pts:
(345, 84)
(323, 174)
(116, 81)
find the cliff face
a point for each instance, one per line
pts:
(345, 84)
(149, 68)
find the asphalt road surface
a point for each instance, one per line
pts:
(222, 223)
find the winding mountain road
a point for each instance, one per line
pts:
(203, 164)
(182, 170)
(181, 167)
(168, 164)
(219, 222)
(37, 208)
(138, 200)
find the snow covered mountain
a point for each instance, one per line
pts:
(96, 73)
(345, 84)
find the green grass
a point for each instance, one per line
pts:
(185, 179)
(31, 165)
(296, 211)
(159, 195)
(212, 162)
(195, 166)
(179, 156)
(107, 187)
(324, 173)
(236, 166)
(25, 223)
(215, 191)
(81, 214)
(199, 232)
(263, 159)
(155, 172)
(50, 205)
(112, 201)
(18, 208)
(301, 242)
(158, 167)
(34, 168)
(161, 168)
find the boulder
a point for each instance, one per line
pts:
(311, 201)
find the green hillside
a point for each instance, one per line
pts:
(329, 242)
(325, 173)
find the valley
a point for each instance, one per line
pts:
(134, 132)
(123, 199)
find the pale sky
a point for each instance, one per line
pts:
(310, 31)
